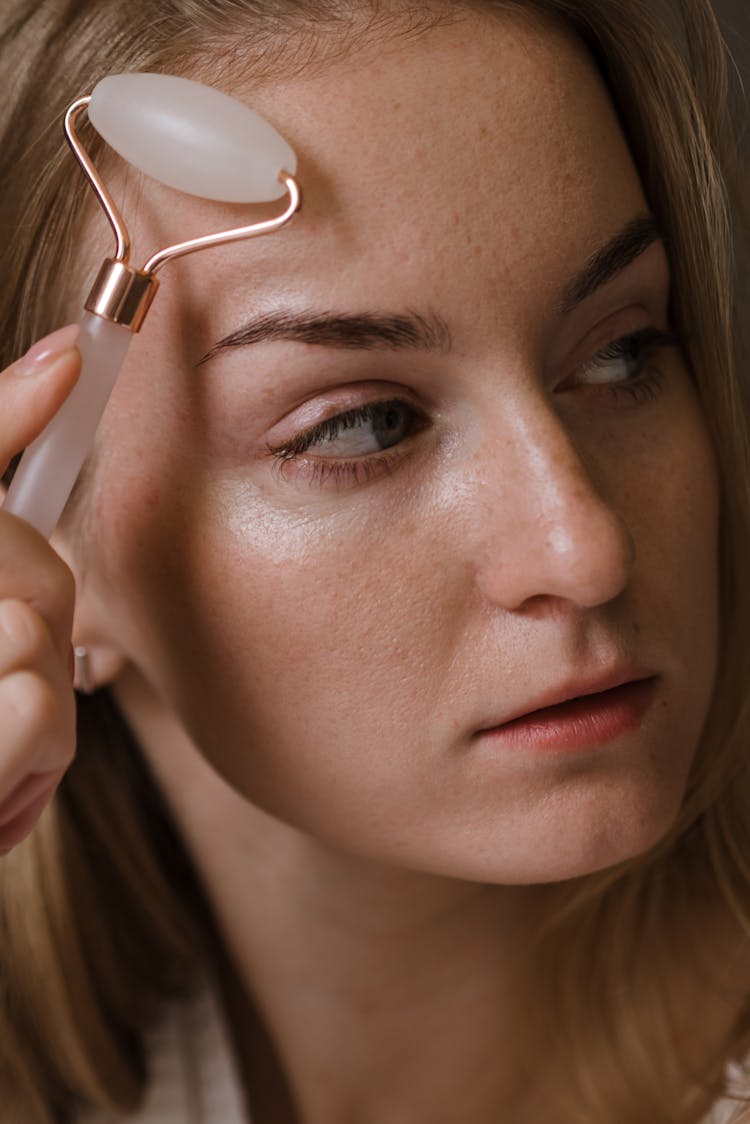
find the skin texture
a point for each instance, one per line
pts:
(332, 649)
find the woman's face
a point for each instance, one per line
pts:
(434, 490)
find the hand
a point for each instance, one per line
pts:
(37, 593)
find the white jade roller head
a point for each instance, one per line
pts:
(190, 137)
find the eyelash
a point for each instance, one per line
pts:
(339, 470)
(644, 387)
(646, 384)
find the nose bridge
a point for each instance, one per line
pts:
(547, 529)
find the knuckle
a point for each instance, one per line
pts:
(25, 633)
(36, 710)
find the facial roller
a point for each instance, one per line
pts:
(190, 137)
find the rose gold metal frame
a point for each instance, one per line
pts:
(124, 294)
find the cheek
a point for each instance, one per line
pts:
(292, 637)
(672, 505)
(334, 618)
(679, 511)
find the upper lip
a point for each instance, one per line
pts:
(572, 688)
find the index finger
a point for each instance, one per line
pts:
(33, 388)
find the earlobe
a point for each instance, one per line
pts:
(98, 661)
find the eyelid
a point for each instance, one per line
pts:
(329, 399)
(648, 337)
(620, 322)
(304, 439)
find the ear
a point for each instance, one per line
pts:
(99, 662)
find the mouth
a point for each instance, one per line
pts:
(583, 721)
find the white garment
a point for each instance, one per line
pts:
(194, 1078)
(738, 1084)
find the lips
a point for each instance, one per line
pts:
(579, 714)
(573, 688)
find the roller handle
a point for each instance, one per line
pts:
(50, 466)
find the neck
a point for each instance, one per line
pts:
(386, 998)
(385, 994)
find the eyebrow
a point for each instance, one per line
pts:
(428, 331)
(360, 331)
(611, 259)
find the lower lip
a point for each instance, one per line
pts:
(584, 723)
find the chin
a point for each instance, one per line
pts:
(602, 847)
(571, 839)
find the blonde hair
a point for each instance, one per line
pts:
(101, 913)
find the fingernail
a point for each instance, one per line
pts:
(43, 351)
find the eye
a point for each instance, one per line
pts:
(363, 431)
(622, 363)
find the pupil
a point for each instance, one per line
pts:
(633, 356)
(390, 424)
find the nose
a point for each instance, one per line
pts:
(545, 528)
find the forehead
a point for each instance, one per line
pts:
(486, 147)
